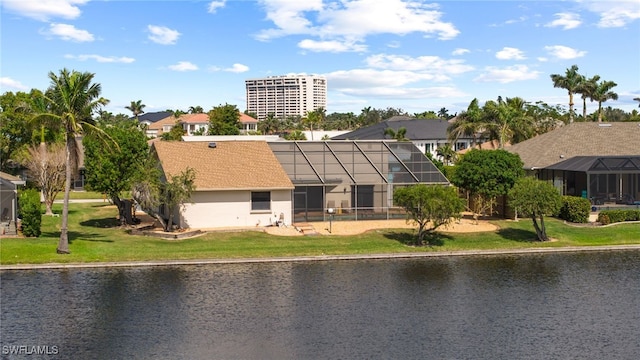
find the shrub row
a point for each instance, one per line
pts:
(613, 216)
(575, 209)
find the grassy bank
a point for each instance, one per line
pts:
(95, 237)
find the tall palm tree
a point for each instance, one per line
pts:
(136, 108)
(570, 82)
(586, 89)
(638, 100)
(507, 120)
(71, 100)
(469, 123)
(447, 153)
(603, 93)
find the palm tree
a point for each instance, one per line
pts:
(586, 89)
(443, 113)
(507, 121)
(71, 100)
(400, 135)
(469, 123)
(638, 100)
(196, 110)
(570, 81)
(136, 108)
(447, 153)
(603, 93)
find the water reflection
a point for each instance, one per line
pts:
(498, 307)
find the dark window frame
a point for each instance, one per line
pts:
(261, 201)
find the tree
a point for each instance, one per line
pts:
(270, 125)
(570, 81)
(443, 113)
(447, 153)
(314, 119)
(469, 123)
(111, 170)
(71, 99)
(295, 135)
(196, 110)
(175, 192)
(586, 88)
(537, 199)
(485, 175)
(429, 204)
(507, 121)
(400, 135)
(224, 120)
(46, 168)
(175, 134)
(603, 93)
(136, 108)
(31, 212)
(638, 100)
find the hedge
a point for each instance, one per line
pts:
(613, 216)
(575, 209)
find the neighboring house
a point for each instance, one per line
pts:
(9, 202)
(147, 119)
(161, 126)
(599, 161)
(238, 183)
(255, 183)
(194, 124)
(248, 124)
(426, 134)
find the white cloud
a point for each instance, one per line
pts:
(614, 13)
(566, 21)
(424, 64)
(237, 68)
(334, 46)
(509, 53)
(405, 93)
(7, 82)
(101, 59)
(43, 10)
(183, 66)
(351, 21)
(215, 5)
(163, 35)
(564, 52)
(507, 74)
(70, 33)
(460, 51)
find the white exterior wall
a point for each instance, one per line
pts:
(215, 209)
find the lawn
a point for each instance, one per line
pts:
(95, 237)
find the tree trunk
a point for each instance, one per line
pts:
(63, 244)
(540, 231)
(169, 225)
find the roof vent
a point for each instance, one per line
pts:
(604, 125)
(212, 145)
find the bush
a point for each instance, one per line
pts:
(575, 209)
(31, 212)
(615, 216)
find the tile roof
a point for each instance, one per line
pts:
(171, 120)
(579, 139)
(194, 118)
(231, 165)
(244, 118)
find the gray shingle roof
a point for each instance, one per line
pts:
(579, 139)
(417, 129)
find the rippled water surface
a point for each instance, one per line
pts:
(551, 306)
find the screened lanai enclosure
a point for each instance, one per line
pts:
(601, 179)
(351, 180)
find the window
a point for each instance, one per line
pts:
(261, 201)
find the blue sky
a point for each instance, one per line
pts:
(415, 55)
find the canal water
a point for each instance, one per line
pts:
(544, 306)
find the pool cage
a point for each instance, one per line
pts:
(353, 178)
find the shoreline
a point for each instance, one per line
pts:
(410, 255)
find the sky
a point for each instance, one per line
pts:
(414, 55)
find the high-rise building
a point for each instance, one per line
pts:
(286, 95)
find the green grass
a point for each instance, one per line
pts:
(95, 237)
(81, 195)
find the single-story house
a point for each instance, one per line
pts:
(9, 199)
(238, 183)
(256, 183)
(598, 161)
(426, 134)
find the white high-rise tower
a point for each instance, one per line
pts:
(286, 95)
